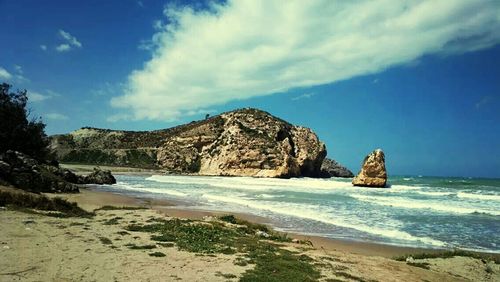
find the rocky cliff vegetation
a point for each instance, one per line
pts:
(245, 142)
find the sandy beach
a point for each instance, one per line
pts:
(36, 247)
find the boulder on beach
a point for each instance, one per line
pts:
(373, 173)
(98, 176)
(24, 172)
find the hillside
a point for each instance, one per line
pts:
(244, 142)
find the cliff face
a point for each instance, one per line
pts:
(246, 142)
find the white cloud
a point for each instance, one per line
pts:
(56, 116)
(43, 47)
(4, 74)
(70, 38)
(35, 96)
(251, 48)
(303, 96)
(63, 48)
(16, 77)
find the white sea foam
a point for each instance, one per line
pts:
(314, 213)
(436, 194)
(258, 184)
(401, 202)
(139, 188)
(478, 196)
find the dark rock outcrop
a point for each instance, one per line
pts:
(28, 174)
(98, 176)
(245, 142)
(373, 172)
(331, 168)
(24, 172)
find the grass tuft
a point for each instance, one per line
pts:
(23, 201)
(206, 238)
(112, 221)
(105, 241)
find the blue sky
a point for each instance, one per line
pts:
(419, 80)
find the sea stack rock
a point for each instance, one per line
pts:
(373, 173)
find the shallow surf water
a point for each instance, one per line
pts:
(415, 211)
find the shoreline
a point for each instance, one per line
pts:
(131, 240)
(92, 198)
(346, 244)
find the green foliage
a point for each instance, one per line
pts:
(252, 228)
(17, 131)
(112, 221)
(89, 156)
(274, 264)
(43, 203)
(271, 262)
(133, 157)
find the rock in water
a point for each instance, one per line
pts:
(331, 168)
(373, 173)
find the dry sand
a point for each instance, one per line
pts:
(41, 248)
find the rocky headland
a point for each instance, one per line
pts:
(244, 142)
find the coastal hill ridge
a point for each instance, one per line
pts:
(243, 142)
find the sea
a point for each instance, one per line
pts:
(413, 211)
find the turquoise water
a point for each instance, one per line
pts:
(415, 211)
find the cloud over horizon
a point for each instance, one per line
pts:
(250, 48)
